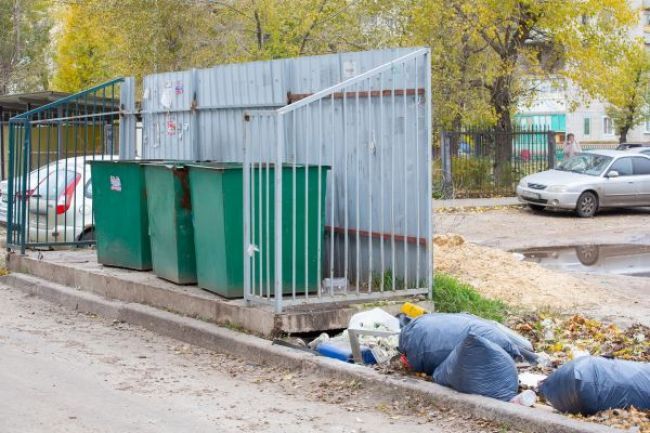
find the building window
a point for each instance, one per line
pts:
(587, 126)
(608, 128)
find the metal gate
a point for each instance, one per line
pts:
(48, 197)
(487, 162)
(337, 190)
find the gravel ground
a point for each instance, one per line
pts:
(65, 372)
(621, 299)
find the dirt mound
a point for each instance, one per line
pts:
(503, 275)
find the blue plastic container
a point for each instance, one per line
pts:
(343, 352)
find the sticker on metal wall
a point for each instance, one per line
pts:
(179, 88)
(350, 69)
(171, 127)
(116, 183)
(166, 99)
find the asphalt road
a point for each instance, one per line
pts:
(65, 372)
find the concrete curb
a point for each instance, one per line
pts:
(261, 351)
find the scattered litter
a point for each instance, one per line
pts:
(543, 359)
(531, 380)
(591, 384)
(377, 330)
(525, 398)
(335, 286)
(340, 348)
(375, 319)
(318, 340)
(412, 310)
(479, 366)
(430, 338)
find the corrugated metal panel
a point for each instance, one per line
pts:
(212, 128)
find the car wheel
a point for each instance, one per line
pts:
(587, 205)
(536, 207)
(587, 254)
(87, 235)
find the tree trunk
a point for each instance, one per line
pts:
(503, 148)
(456, 128)
(623, 134)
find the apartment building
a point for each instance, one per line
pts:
(557, 106)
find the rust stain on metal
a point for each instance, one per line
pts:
(186, 199)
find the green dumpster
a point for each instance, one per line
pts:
(219, 227)
(169, 207)
(120, 209)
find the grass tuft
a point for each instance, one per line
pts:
(453, 296)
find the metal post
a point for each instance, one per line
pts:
(10, 184)
(429, 201)
(247, 210)
(59, 134)
(25, 178)
(196, 153)
(2, 144)
(445, 153)
(108, 139)
(127, 143)
(550, 140)
(279, 149)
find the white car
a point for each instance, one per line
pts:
(590, 181)
(59, 201)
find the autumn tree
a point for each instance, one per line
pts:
(458, 59)
(624, 88)
(24, 42)
(139, 37)
(497, 50)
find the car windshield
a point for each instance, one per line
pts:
(586, 163)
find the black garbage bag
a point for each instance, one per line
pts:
(590, 384)
(430, 338)
(478, 366)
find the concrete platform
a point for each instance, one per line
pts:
(79, 269)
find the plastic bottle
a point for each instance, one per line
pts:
(525, 398)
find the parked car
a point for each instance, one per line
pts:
(59, 201)
(590, 181)
(642, 150)
(626, 146)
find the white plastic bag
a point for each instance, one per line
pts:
(375, 319)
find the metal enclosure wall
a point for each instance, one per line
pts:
(198, 114)
(374, 132)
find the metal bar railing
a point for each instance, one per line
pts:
(49, 146)
(350, 172)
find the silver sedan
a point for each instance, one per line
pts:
(590, 181)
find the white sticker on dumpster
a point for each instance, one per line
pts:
(116, 183)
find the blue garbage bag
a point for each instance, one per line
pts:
(430, 338)
(479, 366)
(590, 384)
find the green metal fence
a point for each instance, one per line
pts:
(489, 163)
(48, 199)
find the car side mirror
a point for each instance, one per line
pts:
(612, 173)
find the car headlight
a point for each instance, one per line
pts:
(557, 188)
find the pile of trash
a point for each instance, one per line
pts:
(477, 356)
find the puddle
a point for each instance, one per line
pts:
(617, 259)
